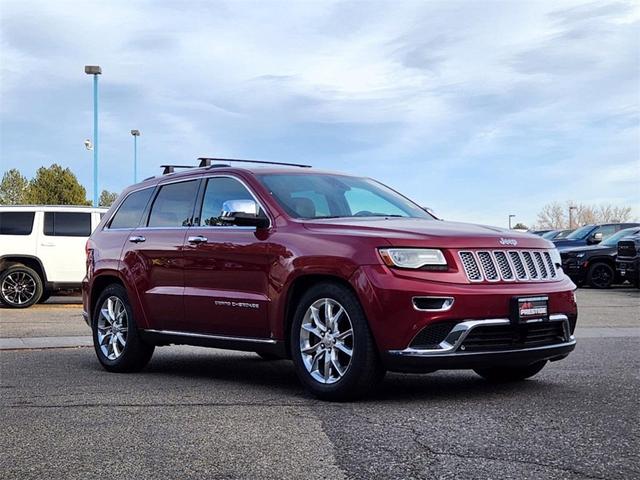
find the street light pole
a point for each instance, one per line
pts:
(571, 209)
(136, 134)
(510, 217)
(94, 70)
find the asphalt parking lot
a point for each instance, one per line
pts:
(198, 413)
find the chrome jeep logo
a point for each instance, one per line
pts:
(508, 241)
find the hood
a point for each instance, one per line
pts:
(588, 249)
(428, 233)
(565, 244)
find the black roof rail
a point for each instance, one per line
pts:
(207, 162)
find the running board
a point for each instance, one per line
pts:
(248, 344)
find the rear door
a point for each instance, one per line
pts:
(18, 232)
(226, 268)
(153, 254)
(61, 245)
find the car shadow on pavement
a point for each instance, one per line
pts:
(249, 370)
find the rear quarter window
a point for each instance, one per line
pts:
(16, 223)
(67, 224)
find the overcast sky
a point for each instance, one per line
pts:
(477, 109)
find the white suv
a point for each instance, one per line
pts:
(42, 249)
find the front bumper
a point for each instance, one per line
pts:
(576, 268)
(629, 267)
(388, 299)
(451, 353)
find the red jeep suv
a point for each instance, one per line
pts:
(341, 274)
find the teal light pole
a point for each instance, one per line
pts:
(94, 70)
(136, 134)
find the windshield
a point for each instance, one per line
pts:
(613, 240)
(334, 196)
(580, 233)
(550, 235)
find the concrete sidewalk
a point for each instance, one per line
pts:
(28, 343)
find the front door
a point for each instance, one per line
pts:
(226, 268)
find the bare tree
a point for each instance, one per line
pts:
(552, 216)
(556, 215)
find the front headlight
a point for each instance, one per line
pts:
(413, 258)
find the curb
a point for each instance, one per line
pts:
(26, 343)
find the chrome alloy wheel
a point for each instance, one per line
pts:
(113, 326)
(326, 340)
(18, 288)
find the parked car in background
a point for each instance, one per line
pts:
(556, 234)
(591, 235)
(343, 275)
(42, 249)
(595, 265)
(628, 260)
(540, 233)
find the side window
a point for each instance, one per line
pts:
(606, 230)
(130, 212)
(16, 223)
(173, 205)
(218, 191)
(67, 224)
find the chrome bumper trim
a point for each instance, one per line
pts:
(459, 333)
(447, 303)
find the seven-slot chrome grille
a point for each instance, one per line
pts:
(508, 265)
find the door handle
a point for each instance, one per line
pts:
(48, 244)
(197, 239)
(137, 239)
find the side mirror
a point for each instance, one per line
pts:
(244, 213)
(595, 238)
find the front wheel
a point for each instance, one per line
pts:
(333, 350)
(116, 339)
(600, 275)
(510, 374)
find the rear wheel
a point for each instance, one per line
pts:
(333, 350)
(600, 275)
(116, 339)
(510, 374)
(20, 286)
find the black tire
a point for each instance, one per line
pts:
(46, 295)
(600, 275)
(365, 369)
(510, 374)
(136, 353)
(28, 279)
(269, 357)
